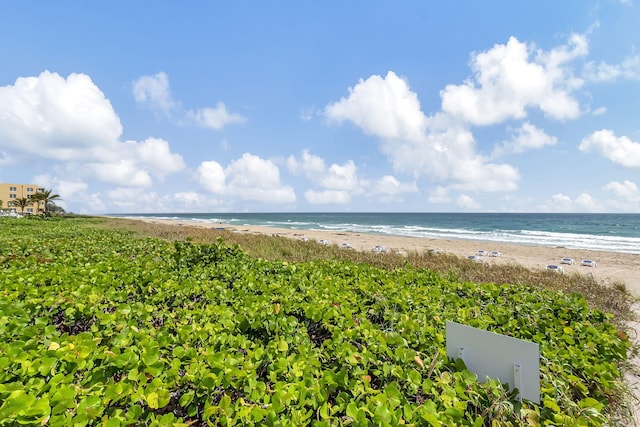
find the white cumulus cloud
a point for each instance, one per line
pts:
(436, 147)
(58, 118)
(67, 189)
(582, 203)
(214, 118)
(381, 106)
(137, 162)
(524, 138)
(478, 175)
(309, 165)
(211, 176)
(64, 187)
(338, 183)
(155, 154)
(155, 92)
(626, 190)
(510, 78)
(124, 172)
(341, 177)
(71, 122)
(247, 178)
(585, 202)
(620, 150)
(628, 69)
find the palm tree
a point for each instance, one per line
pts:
(46, 197)
(21, 202)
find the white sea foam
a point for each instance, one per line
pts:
(523, 237)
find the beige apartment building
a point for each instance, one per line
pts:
(10, 191)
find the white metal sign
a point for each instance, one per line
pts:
(496, 356)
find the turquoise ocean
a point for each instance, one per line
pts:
(606, 232)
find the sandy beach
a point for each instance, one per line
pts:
(611, 267)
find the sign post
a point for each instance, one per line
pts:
(491, 355)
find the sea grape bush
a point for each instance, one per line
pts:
(100, 328)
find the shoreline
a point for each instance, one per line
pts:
(611, 267)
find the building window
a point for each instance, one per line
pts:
(12, 196)
(29, 210)
(13, 189)
(29, 189)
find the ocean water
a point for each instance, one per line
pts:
(607, 232)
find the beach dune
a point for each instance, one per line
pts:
(611, 268)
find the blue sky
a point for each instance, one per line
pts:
(207, 106)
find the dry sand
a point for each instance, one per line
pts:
(611, 267)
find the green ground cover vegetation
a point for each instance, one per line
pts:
(110, 322)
